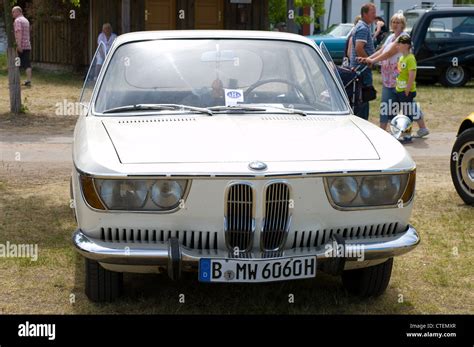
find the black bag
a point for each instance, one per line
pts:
(368, 93)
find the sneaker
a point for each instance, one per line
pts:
(27, 84)
(406, 139)
(422, 132)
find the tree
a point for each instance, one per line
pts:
(277, 11)
(318, 9)
(12, 60)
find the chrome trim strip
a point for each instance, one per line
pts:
(256, 176)
(139, 254)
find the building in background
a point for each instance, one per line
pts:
(55, 39)
(345, 11)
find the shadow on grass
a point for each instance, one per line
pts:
(31, 218)
(157, 294)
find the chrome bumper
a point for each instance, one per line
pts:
(177, 258)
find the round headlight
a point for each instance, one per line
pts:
(343, 190)
(380, 190)
(123, 194)
(166, 193)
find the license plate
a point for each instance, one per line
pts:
(261, 270)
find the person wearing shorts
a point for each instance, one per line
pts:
(21, 26)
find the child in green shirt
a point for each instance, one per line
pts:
(406, 85)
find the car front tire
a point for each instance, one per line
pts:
(102, 285)
(454, 76)
(369, 281)
(462, 165)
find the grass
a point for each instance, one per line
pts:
(435, 278)
(40, 101)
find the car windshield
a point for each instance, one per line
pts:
(340, 30)
(411, 18)
(152, 75)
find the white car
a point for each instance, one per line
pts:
(234, 155)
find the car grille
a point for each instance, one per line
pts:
(193, 239)
(276, 216)
(239, 219)
(316, 238)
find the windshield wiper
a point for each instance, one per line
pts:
(289, 110)
(158, 107)
(237, 108)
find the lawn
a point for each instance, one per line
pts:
(436, 277)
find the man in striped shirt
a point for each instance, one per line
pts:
(22, 36)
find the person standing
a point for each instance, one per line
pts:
(104, 41)
(381, 31)
(363, 47)
(406, 85)
(21, 27)
(348, 48)
(389, 55)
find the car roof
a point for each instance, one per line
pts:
(210, 34)
(443, 10)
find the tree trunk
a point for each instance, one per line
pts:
(14, 81)
(13, 69)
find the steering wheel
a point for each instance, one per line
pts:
(277, 80)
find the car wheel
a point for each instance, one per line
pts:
(369, 281)
(462, 165)
(102, 285)
(454, 76)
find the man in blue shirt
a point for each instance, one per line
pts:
(363, 46)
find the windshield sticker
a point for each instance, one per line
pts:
(233, 96)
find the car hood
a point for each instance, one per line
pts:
(237, 138)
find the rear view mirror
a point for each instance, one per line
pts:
(218, 56)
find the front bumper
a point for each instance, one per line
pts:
(177, 258)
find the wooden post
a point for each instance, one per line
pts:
(13, 68)
(125, 16)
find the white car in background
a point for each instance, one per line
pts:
(234, 155)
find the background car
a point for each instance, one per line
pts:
(443, 44)
(462, 160)
(334, 39)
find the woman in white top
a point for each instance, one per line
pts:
(388, 54)
(104, 41)
(106, 38)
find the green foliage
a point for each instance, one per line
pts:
(45, 9)
(3, 62)
(277, 11)
(24, 107)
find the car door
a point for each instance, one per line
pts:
(447, 41)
